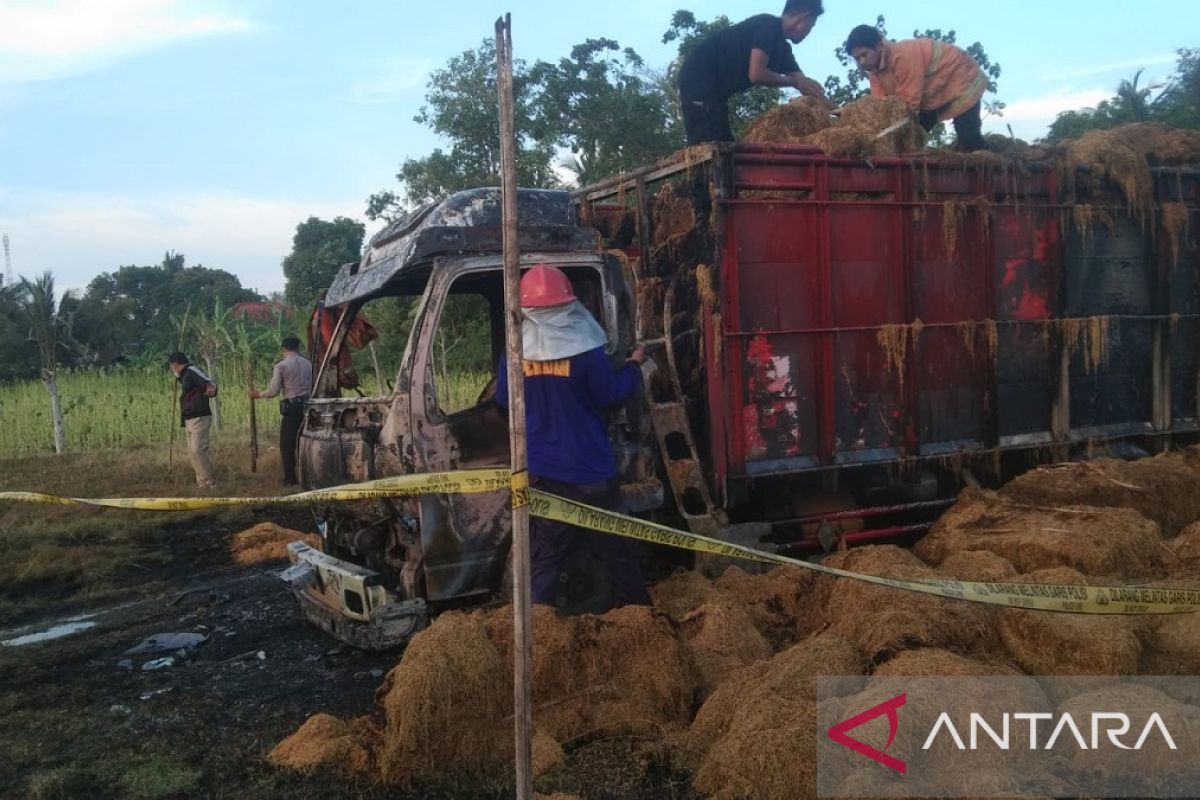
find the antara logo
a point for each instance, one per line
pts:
(1106, 728)
(1113, 725)
(838, 732)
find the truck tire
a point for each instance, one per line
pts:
(584, 586)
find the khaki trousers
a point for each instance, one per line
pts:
(198, 430)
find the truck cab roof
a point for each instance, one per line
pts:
(467, 222)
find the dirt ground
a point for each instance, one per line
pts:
(75, 721)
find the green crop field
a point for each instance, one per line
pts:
(104, 409)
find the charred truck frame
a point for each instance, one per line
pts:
(871, 331)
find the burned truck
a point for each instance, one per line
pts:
(874, 333)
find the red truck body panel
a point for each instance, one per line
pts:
(878, 313)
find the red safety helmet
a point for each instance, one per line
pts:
(545, 286)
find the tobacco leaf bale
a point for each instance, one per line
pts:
(1035, 528)
(722, 638)
(1016, 149)
(978, 565)
(789, 122)
(446, 705)
(767, 747)
(650, 294)
(1173, 645)
(974, 690)
(1164, 488)
(873, 556)
(1159, 144)
(324, 741)
(673, 215)
(1185, 551)
(883, 620)
(778, 602)
(789, 676)
(770, 754)
(626, 670)
(840, 142)
(681, 593)
(1054, 643)
(1171, 642)
(995, 783)
(1110, 157)
(547, 754)
(931, 662)
(1159, 763)
(1063, 576)
(870, 116)
(1176, 225)
(266, 541)
(712, 720)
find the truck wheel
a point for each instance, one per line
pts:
(584, 586)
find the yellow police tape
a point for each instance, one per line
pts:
(460, 482)
(1042, 597)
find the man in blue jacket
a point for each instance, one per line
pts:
(569, 385)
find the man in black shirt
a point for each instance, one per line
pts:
(753, 52)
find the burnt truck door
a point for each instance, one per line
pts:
(456, 423)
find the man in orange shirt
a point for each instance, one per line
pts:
(938, 80)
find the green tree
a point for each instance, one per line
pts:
(603, 105)
(460, 105)
(1178, 103)
(48, 329)
(689, 32)
(127, 313)
(18, 361)
(319, 249)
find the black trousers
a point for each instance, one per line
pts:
(705, 118)
(968, 127)
(705, 112)
(289, 441)
(550, 540)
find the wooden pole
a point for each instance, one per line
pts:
(175, 392)
(522, 613)
(253, 417)
(380, 389)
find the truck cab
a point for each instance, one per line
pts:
(385, 564)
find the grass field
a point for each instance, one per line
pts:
(107, 409)
(119, 444)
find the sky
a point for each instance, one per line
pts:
(212, 127)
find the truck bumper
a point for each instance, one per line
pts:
(348, 601)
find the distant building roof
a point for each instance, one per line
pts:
(260, 311)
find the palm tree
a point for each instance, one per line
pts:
(1132, 104)
(40, 309)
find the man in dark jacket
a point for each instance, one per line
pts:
(195, 387)
(754, 52)
(569, 385)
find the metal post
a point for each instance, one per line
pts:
(522, 619)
